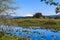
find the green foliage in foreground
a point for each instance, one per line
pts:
(7, 37)
(6, 6)
(4, 36)
(52, 2)
(34, 22)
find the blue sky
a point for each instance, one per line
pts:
(30, 7)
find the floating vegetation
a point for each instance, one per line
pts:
(53, 37)
(43, 37)
(25, 31)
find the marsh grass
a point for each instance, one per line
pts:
(33, 22)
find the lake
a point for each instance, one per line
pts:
(32, 33)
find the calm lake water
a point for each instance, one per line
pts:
(33, 33)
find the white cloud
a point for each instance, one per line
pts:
(28, 15)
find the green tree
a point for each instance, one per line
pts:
(52, 2)
(6, 6)
(37, 15)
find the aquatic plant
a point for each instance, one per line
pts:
(53, 37)
(43, 37)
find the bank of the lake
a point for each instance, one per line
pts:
(34, 22)
(8, 37)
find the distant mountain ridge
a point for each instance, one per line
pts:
(51, 16)
(54, 16)
(17, 17)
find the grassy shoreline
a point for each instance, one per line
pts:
(4, 36)
(33, 22)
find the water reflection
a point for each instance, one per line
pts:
(31, 33)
